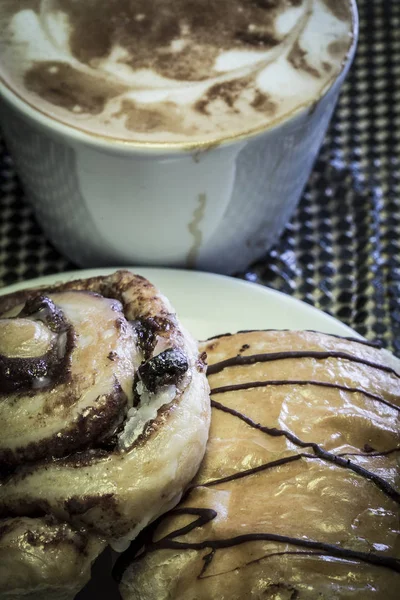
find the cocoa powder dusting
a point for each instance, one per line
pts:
(160, 117)
(62, 85)
(338, 48)
(341, 10)
(178, 40)
(146, 31)
(263, 103)
(227, 91)
(11, 7)
(298, 58)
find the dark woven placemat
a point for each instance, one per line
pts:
(341, 251)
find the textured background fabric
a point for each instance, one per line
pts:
(341, 251)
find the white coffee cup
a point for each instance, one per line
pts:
(214, 207)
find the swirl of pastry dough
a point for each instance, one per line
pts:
(66, 372)
(104, 403)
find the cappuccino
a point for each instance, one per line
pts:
(178, 71)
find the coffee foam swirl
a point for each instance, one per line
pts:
(157, 71)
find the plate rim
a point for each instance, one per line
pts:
(258, 288)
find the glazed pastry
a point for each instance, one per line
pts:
(298, 494)
(104, 405)
(44, 559)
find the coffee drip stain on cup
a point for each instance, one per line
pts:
(158, 71)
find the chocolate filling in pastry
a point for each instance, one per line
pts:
(104, 406)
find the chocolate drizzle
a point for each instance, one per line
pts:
(368, 454)
(272, 356)
(257, 384)
(319, 452)
(361, 341)
(330, 549)
(241, 474)
(145, 543)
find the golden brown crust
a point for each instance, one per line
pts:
(298, 494)
(145, 298)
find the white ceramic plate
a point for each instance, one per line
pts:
(210, 304)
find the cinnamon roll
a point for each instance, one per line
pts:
(43, 559)
(104, 406)
(298, 494)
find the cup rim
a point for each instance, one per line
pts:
(105, 143)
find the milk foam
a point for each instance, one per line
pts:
(184, 84)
